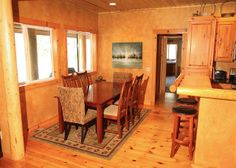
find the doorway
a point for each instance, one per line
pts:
(168, 62)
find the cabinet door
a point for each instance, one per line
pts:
(201, 43)
(224, 41)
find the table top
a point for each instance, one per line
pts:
(102, 92)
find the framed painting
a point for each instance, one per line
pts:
(127, 55)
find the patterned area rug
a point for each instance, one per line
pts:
(106, 149)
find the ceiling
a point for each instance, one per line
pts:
(122, 5)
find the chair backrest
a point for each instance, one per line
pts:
(68, 81)
(123, 101)
(72, 103)
(84, 79)
(71, 81)
(136, 89)
(121, 77)
(143, 91)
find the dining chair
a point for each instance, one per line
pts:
(133, 97)
(120, 77)
(73, 110)
(114, 112)
(84, 78)
(143, 91)
(69, 81)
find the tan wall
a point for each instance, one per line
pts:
(37, 101)
(137, 26)
(57, 11)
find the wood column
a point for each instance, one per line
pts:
(10, 113)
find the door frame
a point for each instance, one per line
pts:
(157, 32)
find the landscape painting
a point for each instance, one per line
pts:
(127, 55)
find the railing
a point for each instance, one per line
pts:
(175, 84)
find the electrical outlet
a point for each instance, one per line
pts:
(148, 69)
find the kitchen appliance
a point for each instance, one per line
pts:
(232, 75)
(220, 76)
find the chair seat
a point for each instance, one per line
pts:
(111, 110)
(184, 110)
(90, 115)
(189, 101)
(116, 102)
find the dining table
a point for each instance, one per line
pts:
(96, 95)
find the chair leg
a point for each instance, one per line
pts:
(190, 148)
(119, 128)
(67, 130)
(126, 122)
(76, 126)
(174, 146)
(84, 130)
(132, 115)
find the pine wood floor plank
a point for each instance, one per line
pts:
(148, 147)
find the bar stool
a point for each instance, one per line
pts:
(187, 101)
(186, 114)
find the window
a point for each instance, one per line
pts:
(171, 52)
(79, 51)
(33, 52)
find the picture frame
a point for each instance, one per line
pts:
(127, 55)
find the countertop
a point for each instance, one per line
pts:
(200, 85)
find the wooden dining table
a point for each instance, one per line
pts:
(97, 96)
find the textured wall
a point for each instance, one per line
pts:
(37, 101)
(137, 25)
(57, 11)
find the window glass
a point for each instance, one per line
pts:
(79, 51)
(20, 57)
(33, 52)
(44, 56)
(72, 53)
(171, 51)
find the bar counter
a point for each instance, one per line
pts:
(216, 132)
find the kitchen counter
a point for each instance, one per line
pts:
(200, 86)
(216, 136)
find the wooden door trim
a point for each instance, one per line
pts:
(157, 32)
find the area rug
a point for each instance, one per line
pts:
(110, 144)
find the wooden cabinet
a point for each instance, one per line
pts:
(201, 37)
(225, 39)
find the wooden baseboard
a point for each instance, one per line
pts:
(43, 124)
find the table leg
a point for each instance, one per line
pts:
(99, 123)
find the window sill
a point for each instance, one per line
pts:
(36, 84)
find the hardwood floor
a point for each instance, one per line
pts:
(148, 147)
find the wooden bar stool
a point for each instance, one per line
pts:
(187, 101)
(179, 137)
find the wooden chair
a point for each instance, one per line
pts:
(73, 109)
(114, 112)
(143, 91)
(84, 79)
(134, 98)
(69, 81)
(121, 77)
(184, 115)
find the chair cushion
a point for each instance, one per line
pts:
(90, 115)
(111, 110)
(116, 102)
(189, 101)
(184, 110)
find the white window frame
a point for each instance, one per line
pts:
(25, 28)
(82, 62)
